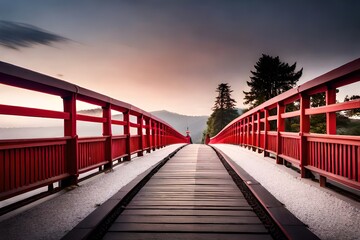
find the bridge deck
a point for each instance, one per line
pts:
(191, 197)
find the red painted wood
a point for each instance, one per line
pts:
(140, 132)
(32, 112)
(328, 154)
(28, 164)
(330, 116)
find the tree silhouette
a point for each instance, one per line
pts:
(271, 78)
(223, 111)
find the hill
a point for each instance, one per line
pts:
(196, 124)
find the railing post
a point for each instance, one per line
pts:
(304, 128)
(71, 161)
(148, 135)
(107, 131)
(140, 121)
(241, 132)
(253, 140)
(247, 132)
(258, 132)
(280, 128)
(266, 129)
(330, 116)
(128, 135)
(158, 133)
(154, 135)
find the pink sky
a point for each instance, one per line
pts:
(173, 55)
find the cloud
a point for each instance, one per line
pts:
(16, 35)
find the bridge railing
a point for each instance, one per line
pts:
(332, 156)
(28, 164)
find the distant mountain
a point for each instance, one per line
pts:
(95, 112)
(196, 124)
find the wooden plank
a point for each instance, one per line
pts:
(190, 207)
(210, 228)
(189, 212)
(159, 182)
(181, 236)
(189, 219)
(233, 203)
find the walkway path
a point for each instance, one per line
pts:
(191, 197)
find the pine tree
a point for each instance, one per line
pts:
(223, 111)
(271, 78)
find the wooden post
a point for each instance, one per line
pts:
(69, 104)
(266, 129)
(304, 128)
(280, 128)
(253, 132)
(140, 120)
(247, 132)
(240, 133)
(154, 135)
(107, 131)
(243, 132)
(148, 135)
(158, 135)
(128, 135)
(258, 125)
(330, 116)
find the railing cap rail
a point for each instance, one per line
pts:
(29, 79)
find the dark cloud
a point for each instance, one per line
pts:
(16, 35)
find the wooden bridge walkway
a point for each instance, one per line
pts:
(191, 197)
(195, 193)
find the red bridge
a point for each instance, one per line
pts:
(28, 164)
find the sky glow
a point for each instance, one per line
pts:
(171, 55)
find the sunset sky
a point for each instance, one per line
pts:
(172, 54)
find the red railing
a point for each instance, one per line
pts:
(332, 156)
(27, 164)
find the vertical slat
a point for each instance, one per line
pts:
(333, 157)
(328, 150)
(7, 170)
(17, 168)
(12, 169)
(2, 170)
(347, 162)
(358, 164)
(352, 166)
(323, 159)
(336, 158)
(341, 160)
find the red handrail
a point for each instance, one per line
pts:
(27, 164)
(332, 156)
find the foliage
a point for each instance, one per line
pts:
(271, 78)
(224, 110)
(353, 112)
(318, 122)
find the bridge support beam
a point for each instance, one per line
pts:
(280, 128)
(140, 121)
(69, 104)
(128, 135)
(304, 128)
(330, 116)
(107, 131)
(266, 129)
(148, 135)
